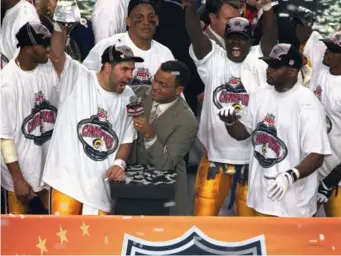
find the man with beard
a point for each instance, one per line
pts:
(289, 138)
(325, 55)
(229, 76)
(141, 21)
(28, 112)
(15, 13)
(93, 134)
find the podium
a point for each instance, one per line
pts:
(150, 192)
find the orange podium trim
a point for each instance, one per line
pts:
(116, 235)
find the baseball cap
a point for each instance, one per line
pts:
(133, 3)
(334, 42)
(33, 34)
(239, 26)
(284, 55)
(119, 54)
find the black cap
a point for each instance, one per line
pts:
(334, 42)
(133, 3)
(238, 26)
(284, 55)
(119, 54)
(33, 34)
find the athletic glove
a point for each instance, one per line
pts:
(280, 186)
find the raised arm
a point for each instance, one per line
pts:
(201, 44)
(269, 27)
(57, 49)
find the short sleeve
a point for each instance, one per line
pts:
(313, 130)
(206, 66)
(314, 49)
(8, 111)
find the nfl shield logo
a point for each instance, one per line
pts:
(193, 242)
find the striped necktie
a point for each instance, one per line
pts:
(153, 113)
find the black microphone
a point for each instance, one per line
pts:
(135, 108)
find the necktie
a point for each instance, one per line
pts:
(153, 113)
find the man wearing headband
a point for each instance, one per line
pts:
(229, 76)
(141, 21)
(93, 133)
(286, 124)
(18, 12)
(28, 113)
(325, 55)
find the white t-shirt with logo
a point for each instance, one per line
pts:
(92, 123)
(153, 58)
(327, 88)
(285, 128)
(28, 112)
(14, 19)
(226, 82)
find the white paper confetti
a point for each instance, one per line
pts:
(169, 204)
(21, 216)
(322, 237)
(139, 233)
(106, 240)
(127, 217)
(158, 229)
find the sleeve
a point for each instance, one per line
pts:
(94, 59)
(108, 19)
(167, 156)
(314, 49)
(247, 114)
(209, 63)
(313, 130)
(129, 132)
(8, 111)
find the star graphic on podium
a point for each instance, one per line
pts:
(62, 235)
(84, 229)
(42, 245)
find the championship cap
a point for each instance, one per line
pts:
(238, 26)
(284, 55)
(133, 3)
(334, 42)
(119, 54)
(33, 34)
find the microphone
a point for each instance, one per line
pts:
(135, 108)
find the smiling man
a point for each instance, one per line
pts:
(141, 21)
(229, 76)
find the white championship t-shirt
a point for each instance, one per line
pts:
(285, 128)
(92, 123)
(109, 18)
(226, 82)
(14, 19)
(28, 112)
(144, 71)
(327, 88)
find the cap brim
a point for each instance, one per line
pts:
(331, 45)
(135, 59)
(274, 63)
(237, 33)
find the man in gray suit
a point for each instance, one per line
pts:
(168, 127)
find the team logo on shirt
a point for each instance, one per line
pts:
(231, 92)
(142, 76)
(97, 136)
(193, 242)
(268, 148)
(318, 93)
(38, 126)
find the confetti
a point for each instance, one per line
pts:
(127, 217)
(169, 204)
(140, 233)
(106, 240)
(158, 229)
(333, 248)
(312, 241)
(21, 216)
(322, 237)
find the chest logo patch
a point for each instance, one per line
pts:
(142, 76)
(98, 138)
(268, 148)
(231, 92)
(38, 126)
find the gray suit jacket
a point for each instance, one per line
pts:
(213, 37)
(176, 130)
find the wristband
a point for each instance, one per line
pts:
(231, 124)
(8, 150)
(57, 27)
(266, 7)
(121, 163)
(295, 174)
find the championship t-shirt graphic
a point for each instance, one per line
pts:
(231, 92)
(98, 138)
(142, 76)
(268, 148)
(38, 126)
(318, 93)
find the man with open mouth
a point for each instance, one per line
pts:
(229, 77)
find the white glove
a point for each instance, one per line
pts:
(323, 193)
(280, 186)
(227, 114)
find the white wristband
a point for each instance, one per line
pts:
(297, 172)
(57, 27)
(121, 163)
(266, 7)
